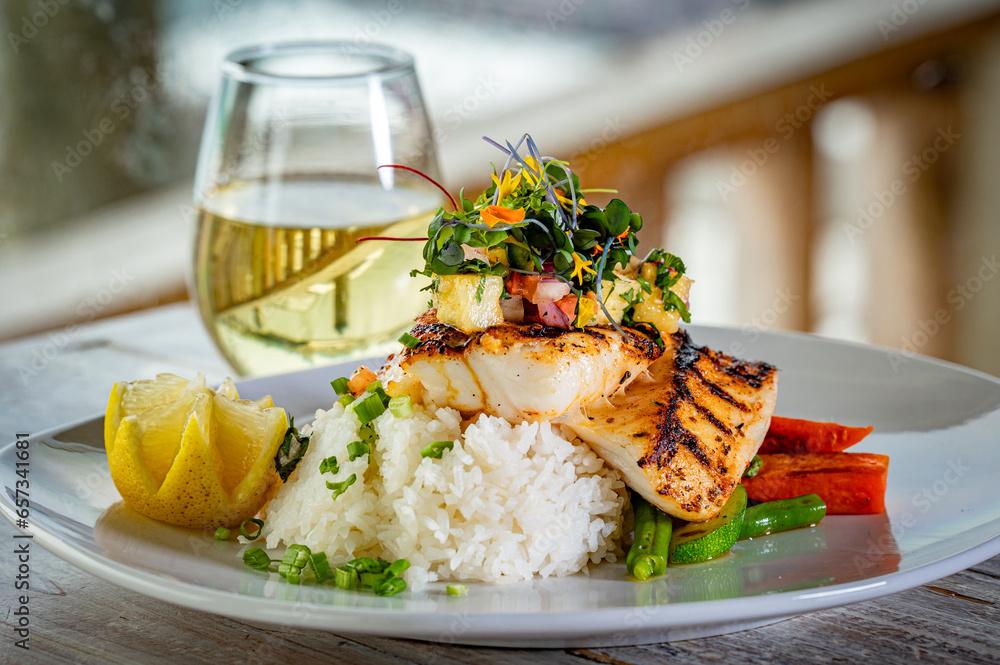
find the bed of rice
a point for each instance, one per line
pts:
(507, 503)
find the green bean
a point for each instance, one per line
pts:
(782, 515)
(646, 565)
(645, 525)
(662, 532)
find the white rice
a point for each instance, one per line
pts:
(506, 503)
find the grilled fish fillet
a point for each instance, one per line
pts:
(683, 435)
(517, 371)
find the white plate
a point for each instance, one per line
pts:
(938, 422)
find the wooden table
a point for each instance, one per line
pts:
(77, 618)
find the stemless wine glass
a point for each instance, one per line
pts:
(287, 183)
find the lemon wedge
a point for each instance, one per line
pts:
(182, 453)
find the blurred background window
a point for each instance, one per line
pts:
(826, 165)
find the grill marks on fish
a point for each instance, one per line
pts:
(672, 432)
(683, 435)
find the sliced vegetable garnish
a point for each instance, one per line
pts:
(256, 558)
(341, 487)
(222, 533)
(754, 467)
(345, 578)
(457, 590)
(356, 449)
(367, 564)
(369, 408)
(409, 341)
(253, 531)
(345, 400)
(397, 567)
(436, 449)
(296, 555)
(329, 465)
(700, 541)
(321, 567)
(340, 385)
(371, 580)
(300, 565)
(782, 515)
(367, 433)
(401, 406)
(391, 586)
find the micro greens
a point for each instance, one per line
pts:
(533, 219)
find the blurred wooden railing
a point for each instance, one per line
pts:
(920, 95)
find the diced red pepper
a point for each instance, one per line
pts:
(849, 483)
(794, 435)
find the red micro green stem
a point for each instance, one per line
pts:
(392, 238)
(426, 177)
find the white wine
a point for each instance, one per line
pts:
(282, 282)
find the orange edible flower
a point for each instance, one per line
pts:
(493, 215)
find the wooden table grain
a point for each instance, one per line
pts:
(78, 618)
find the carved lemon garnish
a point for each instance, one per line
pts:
(182, 453)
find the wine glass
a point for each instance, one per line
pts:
(287, 184)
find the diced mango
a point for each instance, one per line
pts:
(650, 310)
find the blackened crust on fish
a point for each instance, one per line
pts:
(754, 374)
(671, 433)
(436, 337)
(440, 338)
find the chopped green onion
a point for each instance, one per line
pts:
(321, 566)
(247, 533)
(391, 586)
(397, 568)
(344, 400)
(289, 573)
(297, 556)
(409, 341)
(345, 578)
(329, 465)
(374, 386)
(256, 558)
(222, 533)
(436, 449)
(372, 580)
(340, 385)
(367, 564)
(369, 408)
(400, 406)
(341, 487)
(356, 449)
(457, 590)
(367, 433)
